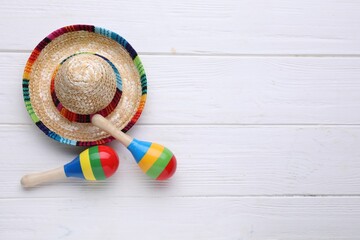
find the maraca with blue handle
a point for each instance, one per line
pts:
(157, 161)
(95, 163)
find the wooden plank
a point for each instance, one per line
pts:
(227, 90)
(105, 217)
(196, 27)
(213, 161)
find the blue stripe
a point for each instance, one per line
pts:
(138, 149)
(98, 30)
(53, 135)
(131, 51)
(73, 168)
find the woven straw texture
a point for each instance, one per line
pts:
(78, 71)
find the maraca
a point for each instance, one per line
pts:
(155, 160)
(81, 74)
(95, 163)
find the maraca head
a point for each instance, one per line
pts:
(157, 161)
(95, 163)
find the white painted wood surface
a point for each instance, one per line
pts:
(196, 26)
(259, 100)
(228, 90)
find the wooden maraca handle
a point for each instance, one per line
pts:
(31, 180)
(157, 161)
(108, 127)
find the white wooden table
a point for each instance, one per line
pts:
(258, 99)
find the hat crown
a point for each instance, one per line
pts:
(85, 84)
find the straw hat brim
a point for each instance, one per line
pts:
(63, 43)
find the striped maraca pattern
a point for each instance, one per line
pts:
(155, 160)
(95, 163)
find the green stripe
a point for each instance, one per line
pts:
(96, 163)
(139, 66)
(34, 117)
(160, 164)
(31, 112)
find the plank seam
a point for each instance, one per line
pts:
(269, 55)
(312, 196)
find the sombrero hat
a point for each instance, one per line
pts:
(78, 71)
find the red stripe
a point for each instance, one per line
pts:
(109, 160)
(169, 170)
(112, 105)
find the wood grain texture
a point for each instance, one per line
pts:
(180, 218)
(276, 161)
(195, 27)
(259, 100)
(226, 90)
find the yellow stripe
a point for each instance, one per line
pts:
(86, 166)
(151, 156)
